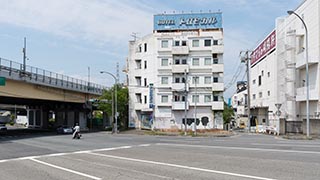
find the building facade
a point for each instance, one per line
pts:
(240, 105)
(278, 74)
(176, 73)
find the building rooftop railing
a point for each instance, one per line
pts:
(34, 75)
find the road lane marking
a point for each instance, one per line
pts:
(63, 154)
(240, 148)
(65, 169)
(286, 145)
(144, 145)
(121, 168)
(182, 166)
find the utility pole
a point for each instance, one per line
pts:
(245, 58)
(195, 108)
(185, 102)
(24, 51)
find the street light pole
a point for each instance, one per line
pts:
(307, 71)
(115, 97)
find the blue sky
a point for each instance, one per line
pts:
(67, 36)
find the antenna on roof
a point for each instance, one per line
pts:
(134, 35)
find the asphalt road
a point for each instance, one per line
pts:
(126, 157)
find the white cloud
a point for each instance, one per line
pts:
(94, 20)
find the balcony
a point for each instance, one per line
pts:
(179, 87)
(217, 68)
(179, 105)
(217, 87)
(301, 60)
(138, 106)
(180, 50)
(217, 49)
(179, 68)
(217, 105)
(302, 93)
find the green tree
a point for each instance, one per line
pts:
(122, 101)
(228, 114)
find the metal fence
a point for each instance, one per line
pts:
(16, 71)
(294, 127)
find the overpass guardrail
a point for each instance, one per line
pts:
(17, 71)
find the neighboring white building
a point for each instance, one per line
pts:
(239, 104)
(184, 55)
(278, 74)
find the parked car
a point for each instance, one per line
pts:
(64, 130)
(3, 129)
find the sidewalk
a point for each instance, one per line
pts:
(200, 133)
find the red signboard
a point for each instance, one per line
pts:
(266, 46)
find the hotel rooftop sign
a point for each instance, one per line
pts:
(168, 22)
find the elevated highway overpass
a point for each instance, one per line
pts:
(47, 95)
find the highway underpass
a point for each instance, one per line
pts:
(47, 95)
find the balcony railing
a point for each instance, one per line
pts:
(217, 105)
(179, 105)
(34, 75)
(217, 68)
(180, 50)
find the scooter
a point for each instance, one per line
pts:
(77, 136)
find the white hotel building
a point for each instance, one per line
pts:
(177, 69)
(278, 73)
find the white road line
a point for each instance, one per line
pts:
(182, 166)
(63, 154)
(290, 145)
(144, 145)
(240, 148)
(65, 169)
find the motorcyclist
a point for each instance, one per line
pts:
(76, 132)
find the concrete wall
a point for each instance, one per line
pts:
(314, 126)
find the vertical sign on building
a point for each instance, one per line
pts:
(264, 48)
(151, 103)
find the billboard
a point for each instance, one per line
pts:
(266, 46)
(187, 21)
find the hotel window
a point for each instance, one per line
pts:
(195, 98)
(183, 43)
(145, 99)
(195, 80)
(177, 61)
(259, 81)
(176, 43)
(207, 42)
(215, 61)
(138, 80)
(145, 64)
(138, 63)
(207, 98)
(253, 96)
(177, 80)
(164, 44)
(268, 93)
(215, 42)
(138, 97)
(207, 61)
(215, 79)
(195, 43)
(215, 98)
(145, 47)
(214, 56)
(260, 94)
(164, 99)
(195, 62)
(268, 74)
(183, 61)
(145, 82)
(262, 73)
(164, 80)
(254, 81)
(164, 62)
(207, 80)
